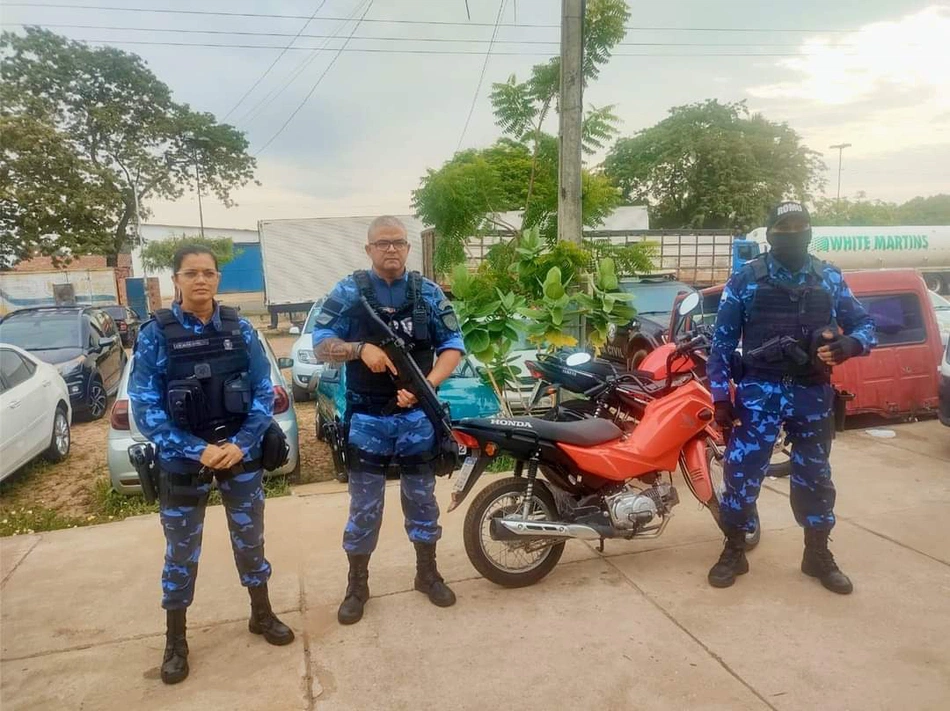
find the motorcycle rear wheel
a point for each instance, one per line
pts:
(501, 562)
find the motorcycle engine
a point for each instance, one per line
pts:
(629, 510)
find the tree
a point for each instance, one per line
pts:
(714, 166)
(858, 213)
(520, 171)
(159, 254)
(933, 210)
(46, 189)
(120, 120)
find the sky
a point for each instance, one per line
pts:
(871, 73)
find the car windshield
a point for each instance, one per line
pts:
(939, 303)
(654, 298)
(117, 312)
(312, 317)
(42, 331)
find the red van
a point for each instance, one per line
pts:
(901, 375)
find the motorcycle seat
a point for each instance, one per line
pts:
(584, 433)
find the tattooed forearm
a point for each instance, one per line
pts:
(335, 350)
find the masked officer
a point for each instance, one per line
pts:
(201, 391)
(417, 309)
(788, 308)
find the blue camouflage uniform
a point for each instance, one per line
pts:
(404, 434)
(764, 405)
(242, 494)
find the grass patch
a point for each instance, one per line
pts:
(26, 520)
(504, 463)
(111, 505)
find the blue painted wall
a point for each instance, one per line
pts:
(245, 272)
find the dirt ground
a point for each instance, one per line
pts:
(68, 488)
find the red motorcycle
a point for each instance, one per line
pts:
(601, 479)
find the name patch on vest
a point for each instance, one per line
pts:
(182, 345)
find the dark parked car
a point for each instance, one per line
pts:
(653, 299)
(127, 321)
(81, 341)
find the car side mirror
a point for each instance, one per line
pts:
(294, 331)
(283, 363)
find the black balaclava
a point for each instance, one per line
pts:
(789, 248)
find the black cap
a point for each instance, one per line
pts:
(783, 209)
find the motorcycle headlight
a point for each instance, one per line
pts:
(306, 356)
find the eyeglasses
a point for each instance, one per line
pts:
(384, 245)
(192, 274)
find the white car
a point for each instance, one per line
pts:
(306, 369)
(35, 413)
(942, 309)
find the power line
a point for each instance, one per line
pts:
(246, 33)
(274, 63)
(168, 11)
(250, 116)
(317, 82)
(481, 77)
(372, 50)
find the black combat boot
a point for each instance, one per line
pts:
(428, 580)
(263, 620)
(175, 662)
(732, 562)
(819, 563)
(357, 590)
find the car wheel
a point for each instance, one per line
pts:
(98, 399)
(320, 436)
(300, 395)
(61, 440)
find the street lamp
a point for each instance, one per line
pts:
(840, 148)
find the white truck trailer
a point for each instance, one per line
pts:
(304, 258)
(924, 248)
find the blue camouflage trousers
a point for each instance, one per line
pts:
(402, 435)
(805, 412)
(243, 497)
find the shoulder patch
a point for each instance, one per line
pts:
(448, 316)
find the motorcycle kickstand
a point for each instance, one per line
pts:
(600, 546)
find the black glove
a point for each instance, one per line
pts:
(726, 417)
(840, 348)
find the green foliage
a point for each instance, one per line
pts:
(116, 125)
(47, 189)
(158, 254)
(520, 171)
(546, 291)
(714, 166)
(24, 520)
(933, 210)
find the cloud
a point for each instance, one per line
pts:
(913, 51)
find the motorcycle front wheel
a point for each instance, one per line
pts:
(512, 564)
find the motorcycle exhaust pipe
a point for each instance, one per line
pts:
(513, 530)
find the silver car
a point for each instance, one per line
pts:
(123, 433)
(306, 371)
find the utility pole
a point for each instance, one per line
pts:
(569, 224)
(840, 147)
(201, 215)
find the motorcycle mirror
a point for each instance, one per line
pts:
(575, 359)
(688, 304)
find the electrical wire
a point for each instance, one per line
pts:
(274, 63)
(168, 11)
(481, 77)
(317, 82)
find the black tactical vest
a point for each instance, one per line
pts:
(411, 321)
(211, 369)
(784, 310)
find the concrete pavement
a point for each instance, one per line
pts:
(636, 627)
